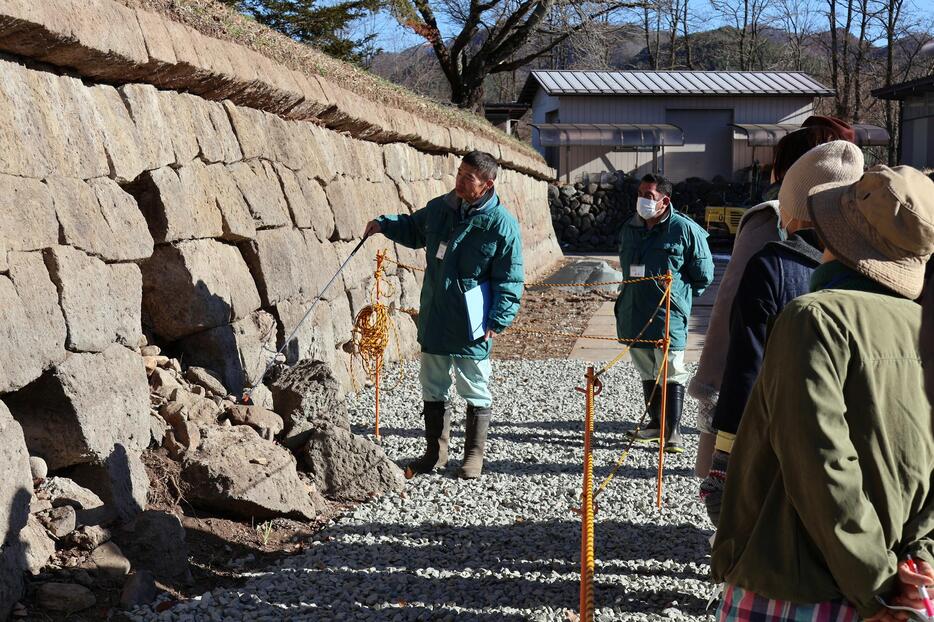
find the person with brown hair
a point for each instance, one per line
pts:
(760, 224)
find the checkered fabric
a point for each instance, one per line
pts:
(738, 605)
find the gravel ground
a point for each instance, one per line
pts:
(507, 546)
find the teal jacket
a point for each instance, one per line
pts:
(677, 244)
(483, 245)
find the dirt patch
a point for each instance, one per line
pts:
(551, 310)
(222, 548)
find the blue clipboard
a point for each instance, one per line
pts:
(478, 301)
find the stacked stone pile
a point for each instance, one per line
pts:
(588, 215)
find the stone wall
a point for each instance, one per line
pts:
(159, 185)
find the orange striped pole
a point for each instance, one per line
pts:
(587, 516)
(380, 256)
(664, 389)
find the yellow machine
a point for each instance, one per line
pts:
(723, 220)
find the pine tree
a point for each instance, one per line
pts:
(320, 26)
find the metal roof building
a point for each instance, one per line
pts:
(680, 123)
(916, 147)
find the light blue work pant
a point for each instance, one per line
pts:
(648, 361)
(471, 377)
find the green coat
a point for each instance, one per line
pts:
(677, 244)
(830, 479)
(485, 246)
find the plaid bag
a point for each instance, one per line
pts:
(738, 605)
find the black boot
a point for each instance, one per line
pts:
(650, 433)
(674, 405)
(478, 423)
(437, 435)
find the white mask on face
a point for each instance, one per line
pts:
(645, 208)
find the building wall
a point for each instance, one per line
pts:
(576, 162)
(917, 140)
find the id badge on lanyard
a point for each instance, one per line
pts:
(636, 271)
(442, 250)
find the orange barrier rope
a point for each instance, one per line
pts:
(661, 430)
(587, 521)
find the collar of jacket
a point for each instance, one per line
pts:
(480, 213)
(804, 243)
(835, 275)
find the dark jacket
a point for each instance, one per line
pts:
(829, 482)
(483, 245)
(774, 276)
(678, 244)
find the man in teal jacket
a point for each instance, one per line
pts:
(657, 239)
(471, 241)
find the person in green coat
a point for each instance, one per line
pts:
(656, 240)
(829, 488)
(473, 246)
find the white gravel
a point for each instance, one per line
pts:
(507, 546)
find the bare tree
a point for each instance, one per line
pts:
(747, 17)
(796, 18)
(497, 36)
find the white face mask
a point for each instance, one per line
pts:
(645, 208)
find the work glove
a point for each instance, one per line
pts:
(711, 489)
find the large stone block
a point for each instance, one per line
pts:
(122, 141)
(80, 410)
(249, 125)
(144, 104)
(239, 352)
(100, 218)
(278, 260)
(178, 205)
(28, 221)
(101, 302)
(237, 221)
(349, 467)
(176, 108)
(34, 334)
(307, 395)
(262, 190)
(225, 132)
(120, 481)
(307, 202)
(193, 286)
(15, 494)
(236, 471)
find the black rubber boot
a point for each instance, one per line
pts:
(478, 423)
(437, 436)
(650, 433)
(674, 405)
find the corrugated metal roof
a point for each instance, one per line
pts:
(683, 83)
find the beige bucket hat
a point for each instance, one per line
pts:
(838, 161)
(882, 225)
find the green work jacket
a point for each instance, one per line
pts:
(830, 479)
(677, 244)
(483, 245)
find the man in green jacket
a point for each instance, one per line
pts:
(829, 487)
(656, 240)
(472, 245)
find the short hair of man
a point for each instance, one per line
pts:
(483, 163)
(661, 183)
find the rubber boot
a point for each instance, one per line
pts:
(478, 423)
(437, 436)
(650, 433)
(674, 405)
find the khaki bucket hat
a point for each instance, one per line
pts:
(882, 225)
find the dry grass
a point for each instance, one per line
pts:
(219, 21)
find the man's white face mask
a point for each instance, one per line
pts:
(646, 208)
